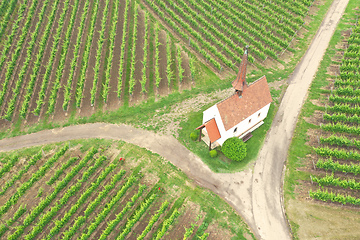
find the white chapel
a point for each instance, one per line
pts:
(241, 113)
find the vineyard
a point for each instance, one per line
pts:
(218, 31)
(337, 149)
(57, 56)
(64, 56)
(76, 191)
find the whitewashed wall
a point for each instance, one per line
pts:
(242, 127)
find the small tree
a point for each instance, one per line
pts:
(213, 153)
(194, 135)
(234, 148)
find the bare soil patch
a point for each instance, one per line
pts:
(164, 86)
(168, 123)
(331, 222)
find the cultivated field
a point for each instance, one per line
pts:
(65, 56)
(219, 30)
(58, 55)
(323, 182)
(79, 191)
(339, 143)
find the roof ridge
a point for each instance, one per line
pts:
(226, 98)
(257, 80)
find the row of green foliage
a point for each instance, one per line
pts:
(112, 34)
(85, 60)
(333, 197)
(37, 64)
(157, 51)
(107, 209)
(20, 191)
(100, 43)
(136, 216)
(9, 10)
(122, 49)
(49, 66)
(341, 128)
(145, 50)
(80, 220)
(8, 166)
(61, 66)
(46, 218)
(19, 174)
(346, 99)
(337, 153)
(330, 180)
(330, 165)
(60, 171)
(35, 212)
(132, 81)
(166, 225)
(342, 117)
(82, 200)
(344, 108)
(4, 227)
(340, 141)
(181, 70)
(76, 53)
(184, 35)
(113, 223)
(22, 74)
(347, 91)
(153, 220)
(169, 71)
(19, 45)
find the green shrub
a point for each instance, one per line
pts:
(194, 135)
(213, 153)
(234, 148)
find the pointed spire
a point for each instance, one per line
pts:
(240, 82)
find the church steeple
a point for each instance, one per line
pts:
(239, 83)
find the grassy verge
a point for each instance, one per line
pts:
(298, 148)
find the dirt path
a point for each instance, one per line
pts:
(250, 193)
(267, 207)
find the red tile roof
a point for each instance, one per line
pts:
(235, 109)
(212, 130)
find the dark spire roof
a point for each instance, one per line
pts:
(240, 82)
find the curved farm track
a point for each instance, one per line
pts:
(256, 195)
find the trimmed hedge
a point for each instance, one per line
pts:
(234, 148)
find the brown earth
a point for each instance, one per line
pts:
(164, 86)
